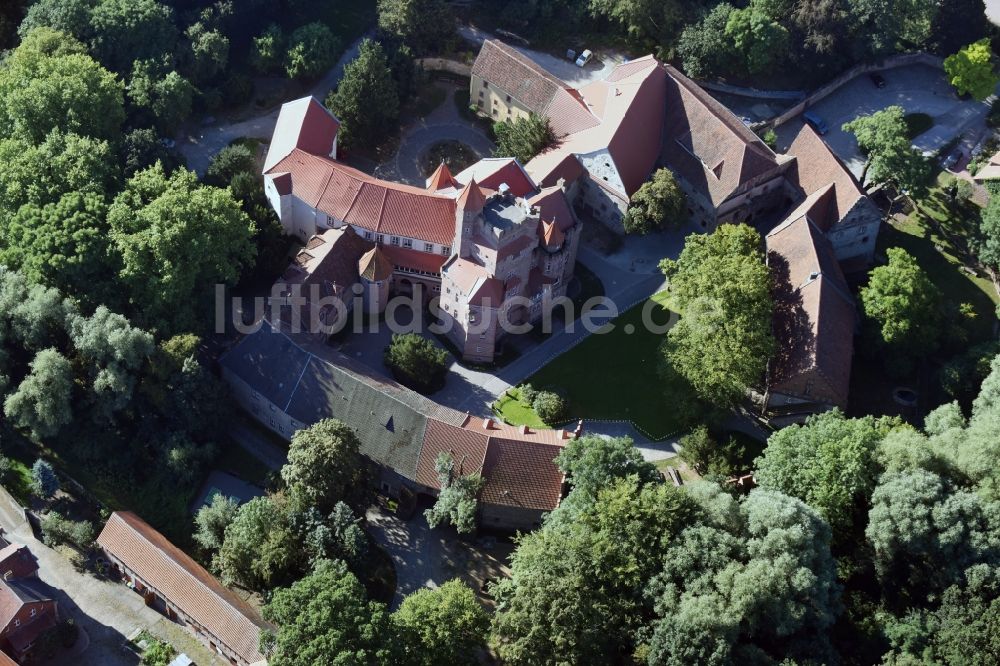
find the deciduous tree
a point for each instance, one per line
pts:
(422, 24)
(659, 203)
(259, 549)
(522, 137)
(722, 287)
(212, 519)
(759, 39)
(123, 31)
(456, 502)
(312, 49)
(971, 70)
(177, 239)
(416, 361)
(325, 466)
(42, 402)
(444, 626)
(325, 618)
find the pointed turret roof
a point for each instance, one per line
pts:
(441, 179)
(552, 235)
(471, 197)
(374, 266)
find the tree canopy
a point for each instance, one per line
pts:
(522, 137)
(325, 467)
(416, 362)
(456, 502)
(177, 239)
(971, 70)
(902, 306)
(884, 138)
(325, 619)
(312, 49)
(721, 286)
(444, 626)
(421, 24)
(659, 203)
(366, 100)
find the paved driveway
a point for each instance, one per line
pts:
(598, 68)
(106, 612)
(916, 88)
(200, 145)
(427, 558)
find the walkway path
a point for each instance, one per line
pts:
(442, 124)
(107, 612)
(199, 148)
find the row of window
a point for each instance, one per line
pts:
(406, 242)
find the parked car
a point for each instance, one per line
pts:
(877, 79)
(816, 121)
(584, 58)
(570, 55)
(949, 162)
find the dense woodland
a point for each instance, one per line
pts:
(867, 540)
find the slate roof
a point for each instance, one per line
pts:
(814, 315)
(506, 68)
(707, 145)
(400, 428)
(183, 582)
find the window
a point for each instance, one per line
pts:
(486, 85)
(494, 112)
(407, 242)
(428, 247)
(17, 623)
(446, 250)
(478, 349)
(481, 93)
(381, 238)
(394, 240)
(368, 235)
(33, 611)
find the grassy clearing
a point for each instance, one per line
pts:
(937, 234)
(17, 481)
(614, 375)
(516, 411)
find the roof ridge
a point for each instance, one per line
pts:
(223, 596)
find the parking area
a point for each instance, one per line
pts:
(916, 88)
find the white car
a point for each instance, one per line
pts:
(584, 58)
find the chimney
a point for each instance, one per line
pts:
(525, 430)
(487, 424)
(579, 429)
(504, 190)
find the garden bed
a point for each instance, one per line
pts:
(453, 153)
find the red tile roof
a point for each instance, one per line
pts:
(16, 559)
(467, 447)
(361, 200)
(818, 169)
(554, 207)
(184, 583)
(506, 68)
(415, 259)
(630, 129)
(707, 145)
(441, 179)
(471, 198)
(304, 124)
(522, 474)
(491, 172)
(814, 316)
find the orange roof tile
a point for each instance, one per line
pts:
(491, 172)
(467, 447)
(304, 124)
(374, 266)
(361, 200)
(441, 179)
(471, 198)
(414, 259)
(522, 474)
(184, 582)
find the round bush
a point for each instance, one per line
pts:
(550, 407)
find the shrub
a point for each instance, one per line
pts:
(416, 362)
(528, 393)
(57, 529)
(229, 161)
(267, 51)
(550, 407)
(44, 481)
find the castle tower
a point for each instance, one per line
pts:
(375, 273)
(468, 209)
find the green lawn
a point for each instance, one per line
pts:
(514, 410)
(937, 234)
(614, 375)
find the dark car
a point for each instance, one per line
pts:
(877, 79)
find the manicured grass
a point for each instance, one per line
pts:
(516, 411)
(917, 124)
(937, 234)
(18, 481)
(614, 375)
